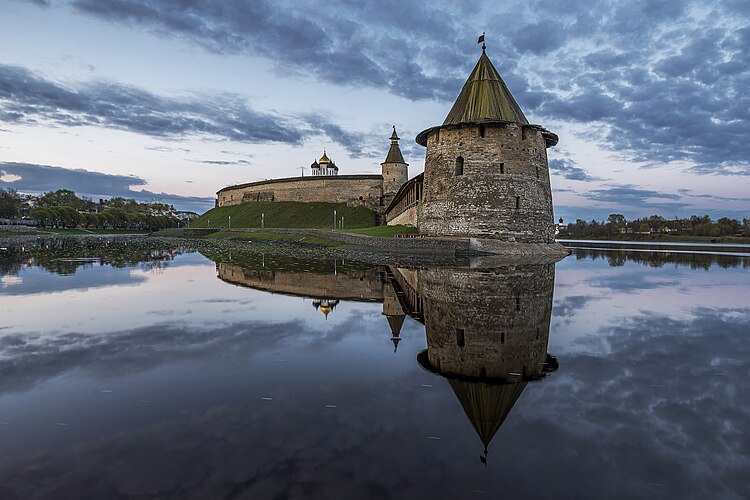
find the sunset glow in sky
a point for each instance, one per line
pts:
(172, 100)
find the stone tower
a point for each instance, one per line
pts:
(486, 173)
(487, 333)
(395, 170)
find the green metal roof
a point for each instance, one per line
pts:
(394, 153)
(485, 97)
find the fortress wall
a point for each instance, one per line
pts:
(365, 285)
(408, 217)
(354, 190)
(503, 317)
(509, 162)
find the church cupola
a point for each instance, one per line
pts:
(327, 166)
(395, 170)
(315, 168)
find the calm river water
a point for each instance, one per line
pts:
(175, 375)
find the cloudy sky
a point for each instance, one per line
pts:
(172, 100)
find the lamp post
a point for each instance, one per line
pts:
(262, 220)
(334, 219)
(230, 222)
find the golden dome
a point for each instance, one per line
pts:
(324, 158)
(325, 310)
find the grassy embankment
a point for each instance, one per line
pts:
(384, 231)
(264, 236)
(286, 214)
(246, 220)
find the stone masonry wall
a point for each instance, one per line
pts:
(504, 191)
(354, 190)
(395, 175)
(408, 217)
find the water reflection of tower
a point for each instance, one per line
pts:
(487, 333)
(394, 313)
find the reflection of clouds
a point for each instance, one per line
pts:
(649, 419)
(30, 281)
(668, 404)
(645, 404)
(29, 359)
(570, 306)
(630, 281)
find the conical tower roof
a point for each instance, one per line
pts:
(395, 322)
(484, 98)
(486, 405)
(394, 153)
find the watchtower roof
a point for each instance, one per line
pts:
(485, 98)
(394, 153)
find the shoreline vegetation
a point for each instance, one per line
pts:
(660, 238)
(61, 252)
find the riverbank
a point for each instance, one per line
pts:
(305, 244)
(641, 246)
(662, 238)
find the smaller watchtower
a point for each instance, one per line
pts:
(395, 170)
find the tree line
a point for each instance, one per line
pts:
(694, 225)
(64, 209)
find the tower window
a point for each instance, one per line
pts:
(537, 172)
(518, 304)
(481, 131)
(460, 337)
(502, 168)
(518, 202)
(502, 337)
(460, 165)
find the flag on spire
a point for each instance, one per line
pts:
(481, 38)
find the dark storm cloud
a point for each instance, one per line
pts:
(628, 194)
(539, 38)
(658, 80)
(335, 44)
(40, 178)
(29, 98)
(569, 170)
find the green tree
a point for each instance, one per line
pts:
(10, 203)
(62, 198)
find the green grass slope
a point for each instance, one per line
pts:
(384, 231)
(286, 214)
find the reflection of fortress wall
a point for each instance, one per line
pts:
(488, 324)
(354, 285)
